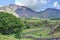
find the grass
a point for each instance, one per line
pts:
(57, 30)
(5, 37)
(26, 39)
(38, 34)
(10, 37)
(32, 29)
(56, 35)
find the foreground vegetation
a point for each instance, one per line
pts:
(12, 28)
(9, 24)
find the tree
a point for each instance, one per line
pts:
(10, 24)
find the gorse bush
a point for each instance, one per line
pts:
(9, 24)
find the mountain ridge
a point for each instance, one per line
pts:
(26, 12)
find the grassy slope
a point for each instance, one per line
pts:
(4, 37)
(37, 34)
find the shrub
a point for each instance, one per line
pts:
(10, 24)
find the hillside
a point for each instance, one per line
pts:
(26, 12)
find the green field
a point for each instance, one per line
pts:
(35, 28)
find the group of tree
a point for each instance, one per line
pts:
(10, 24)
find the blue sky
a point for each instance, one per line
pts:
(6, 2)
(37, 5)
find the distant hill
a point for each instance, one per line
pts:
(51, 13)
(25, 12)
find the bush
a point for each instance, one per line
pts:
(10, 24)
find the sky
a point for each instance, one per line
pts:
(37, 5)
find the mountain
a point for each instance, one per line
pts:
(26, 12)
(23, 11)
(50, 13)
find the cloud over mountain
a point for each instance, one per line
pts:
(56, 5)
(34, 4)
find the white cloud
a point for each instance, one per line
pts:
(44, 1)
(30, 2)
(18, 2)
(34, 4)
(26, 2)
(56, 5)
